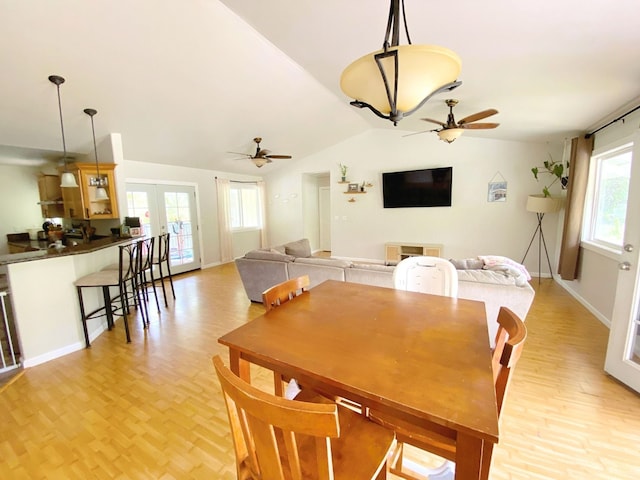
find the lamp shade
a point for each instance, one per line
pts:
(101, 194)
(68, 180)
(450, 134)
(542, 204)
(422, 69)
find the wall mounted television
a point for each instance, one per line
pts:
(429, 187)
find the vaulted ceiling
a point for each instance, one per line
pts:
(186, 82)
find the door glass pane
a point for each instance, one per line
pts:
(179, 226)
(138, 206)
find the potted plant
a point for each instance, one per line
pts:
(545, 203)
(343, 172)
(552, 168)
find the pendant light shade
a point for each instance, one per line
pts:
(101, 193)
(450, 134)
(397, 80)
(68, 179)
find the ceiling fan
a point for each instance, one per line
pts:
(451, 129)
(262, 156)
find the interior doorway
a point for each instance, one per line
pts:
(168, 209)
(324, 201)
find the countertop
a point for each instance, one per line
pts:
(38, 249)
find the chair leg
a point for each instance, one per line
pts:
(153, 285)
(83, 317)
(125, 310)
(107, 307)
(173, 292)
(164, 290)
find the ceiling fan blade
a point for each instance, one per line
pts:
(277, 156)
(478, 116)
(479, 126)
(418, 133)
(434, 121)
(243, 154)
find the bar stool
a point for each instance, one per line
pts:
(128, 271)
(163, 257)
(146, 257)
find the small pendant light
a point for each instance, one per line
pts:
(101, 193)
(67, 179)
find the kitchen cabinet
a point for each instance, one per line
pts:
(81, 203)
(50, 196)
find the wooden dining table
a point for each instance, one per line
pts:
(417, 357)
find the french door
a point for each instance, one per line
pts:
(172, 209)
(623, 351)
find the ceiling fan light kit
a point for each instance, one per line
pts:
(397, 80)
(262, 156)
(451, 129)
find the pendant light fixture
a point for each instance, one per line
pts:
(101, 193)
(68, 179)
(396, 81)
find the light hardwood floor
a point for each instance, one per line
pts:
(152, 409)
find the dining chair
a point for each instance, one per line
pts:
(163, 258)
(423, 274)
(283, 292)
(274, 297)
(276, 438)
(509, 344)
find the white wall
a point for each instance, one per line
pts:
(597, 278)
(19, 187)
(204, 182)
(471, 227)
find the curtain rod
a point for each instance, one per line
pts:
(612, 122)
(255, 182)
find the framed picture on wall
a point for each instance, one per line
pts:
(497, 192)
(353, 187)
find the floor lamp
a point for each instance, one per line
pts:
(539, 204)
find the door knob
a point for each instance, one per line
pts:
(628, 248)
(625, 266)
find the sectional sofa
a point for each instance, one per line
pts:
(491, 280)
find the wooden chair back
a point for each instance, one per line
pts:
(311, 438)
(509, 344)
(285, 291)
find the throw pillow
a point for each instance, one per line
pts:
(299, 248)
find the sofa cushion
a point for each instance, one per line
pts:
(279, 249)
(299, 248)
(327, 262)
(374, 266)
(467, 264)
(269, 255)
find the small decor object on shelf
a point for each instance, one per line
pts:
(343, 172)
(354, 187)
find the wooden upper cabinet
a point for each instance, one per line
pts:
(50, 196)
(82, 202)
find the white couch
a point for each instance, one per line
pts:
(501, 285)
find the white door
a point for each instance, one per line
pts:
(324, 201)
(623, 351)
(172, 209)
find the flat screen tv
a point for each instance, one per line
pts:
(429, 187)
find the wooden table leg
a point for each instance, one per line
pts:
(239, 366)
(469, 457)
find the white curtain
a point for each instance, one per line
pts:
(224, 220)
(263, 213)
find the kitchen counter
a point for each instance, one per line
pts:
(45, 300)
(39, 249)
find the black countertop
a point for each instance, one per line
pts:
(39, 249)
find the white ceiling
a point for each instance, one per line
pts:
(187, 81)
